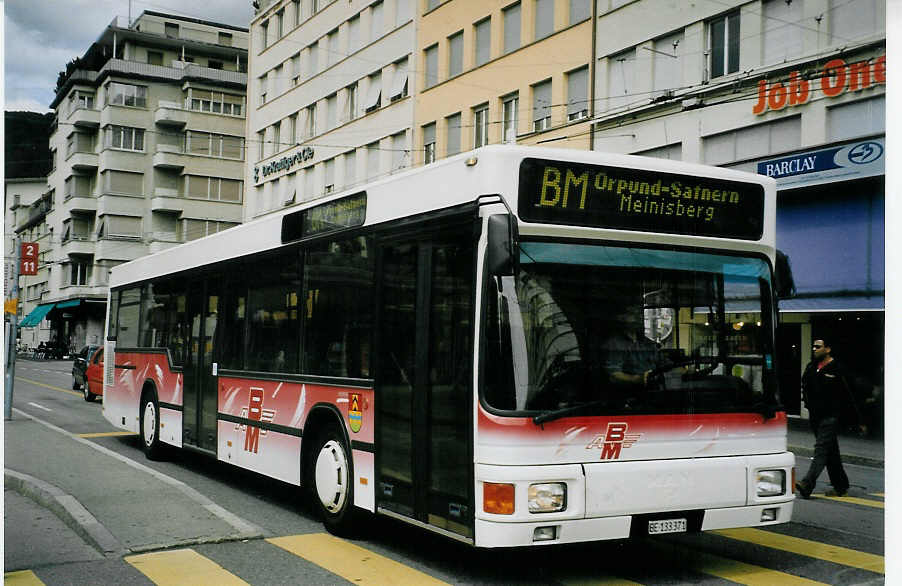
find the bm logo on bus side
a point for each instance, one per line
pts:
(254, 412)
(613, 441)
(355, 415)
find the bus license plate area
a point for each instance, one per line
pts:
(667, 526)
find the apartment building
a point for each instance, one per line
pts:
(148, 152)
(791, 89)
(329, 97)
(501, 71)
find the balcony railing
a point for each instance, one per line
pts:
(180, 72)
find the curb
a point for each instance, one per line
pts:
(68, 509)
(846, 458)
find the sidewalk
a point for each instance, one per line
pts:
(864, 451)
(115, 504)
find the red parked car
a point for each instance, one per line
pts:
(93, 386)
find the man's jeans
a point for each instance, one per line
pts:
(826, 454)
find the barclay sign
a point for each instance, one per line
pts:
(835, 79)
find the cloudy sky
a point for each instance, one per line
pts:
(41, 36)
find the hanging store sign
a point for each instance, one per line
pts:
(849, 161)
(28, 263)
(834, 80)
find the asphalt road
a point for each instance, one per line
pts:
(832, 541)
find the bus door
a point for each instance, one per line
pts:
(423, 381)
(200, 392)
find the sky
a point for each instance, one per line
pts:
(41, 36)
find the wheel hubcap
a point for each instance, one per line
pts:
(331, 476)
(150, 423)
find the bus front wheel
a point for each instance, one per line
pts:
(331, 479)
(150, 427)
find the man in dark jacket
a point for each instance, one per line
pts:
(825, 388)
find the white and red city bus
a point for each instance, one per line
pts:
(510, 347)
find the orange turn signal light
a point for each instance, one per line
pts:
(498, 498)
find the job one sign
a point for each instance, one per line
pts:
(836, 78)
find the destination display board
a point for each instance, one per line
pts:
(339, 214)
(579, 194)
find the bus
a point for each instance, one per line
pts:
(513, 346)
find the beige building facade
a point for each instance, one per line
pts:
(147, 152)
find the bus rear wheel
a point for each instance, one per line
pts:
(150, 427)
(331, 479)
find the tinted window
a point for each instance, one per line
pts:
(163, 318)
(272, 319)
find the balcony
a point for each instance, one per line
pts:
(167, 203)
(170, 114)
(85, 118)
(181, 72)
(81, 245)
(169, 157)
(81, 203)
(84, 161)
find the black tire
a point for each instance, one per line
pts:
(150, 427)
(75, 385)
(331, 480)
(87, 394)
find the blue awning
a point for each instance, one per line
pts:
(36, 315)
(69, 303)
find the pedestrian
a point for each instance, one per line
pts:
(827, 395)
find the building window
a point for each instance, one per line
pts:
(124, 94)
(213, 64)
(280, 24)
(80, 271)
(332, 48)
(753, 142)
(621, 78)
(154, 58)
(293, 129)
(430, 57)
(373, 155)
(213, 188)
(261, 144)
(429, 143)
(354, 39)
(403, 11)
(857, 119)
(483, 34)
(456, 54)
(452, 132)
(541, 106)
(310, 128)
(296, 10)
(723, 43)
(399, 151)
(123, 182)
(277, 136)
(667, 65)
(350, 161)
(374, 92)
(329, 175)
(580, 10)
(578, 94)
(377, 26)
(113, 227)
(544, 12)
(782, 41)
(512, 28)
(295, 68)
(673, 152)
(171, 30)
(509, 117)
(262, 82)
(224, 39)
(264, 34)
(278, 80)
(312, 59)
(124, 137)
(194, 229)
(352, 101)
(331, 111)
(481, 126)
(849, 21)
(399, 83)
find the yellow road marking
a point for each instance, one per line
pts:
(23, 578)
(880, 494)
(181, 566)
(853, 500)
(743, 573)
(351, 562)
(106, 434)
(812, 549)
(51, 387)
(589, 581)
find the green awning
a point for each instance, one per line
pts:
(36, 315)
(69, 303)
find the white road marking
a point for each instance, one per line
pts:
(40, 407)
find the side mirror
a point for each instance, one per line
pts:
(784, 284)
(501, 258)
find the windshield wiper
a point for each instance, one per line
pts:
(566, 411)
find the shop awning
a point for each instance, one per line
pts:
(834, 304)
(69, 303)
(36, 315)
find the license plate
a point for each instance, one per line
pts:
(667, 526)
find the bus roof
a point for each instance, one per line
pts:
(453, 181)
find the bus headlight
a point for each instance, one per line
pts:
(771, 482)
(548, 497)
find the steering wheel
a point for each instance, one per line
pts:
(656, 375)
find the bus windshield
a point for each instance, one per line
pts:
(587, 329)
